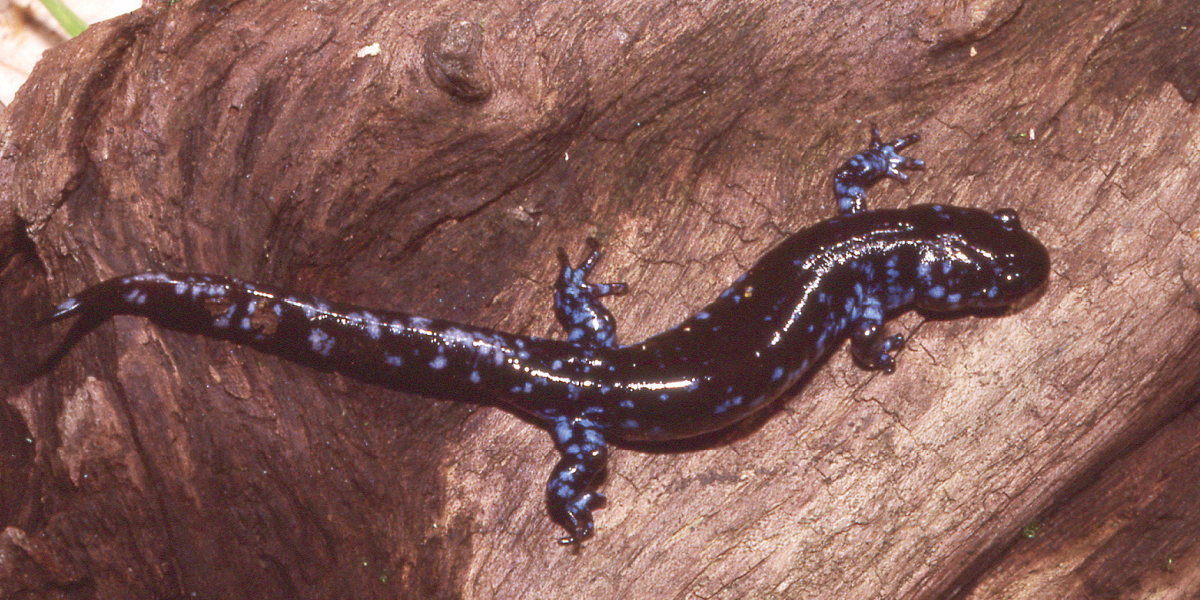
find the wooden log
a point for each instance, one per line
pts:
(431, 156)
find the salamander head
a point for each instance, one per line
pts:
(980, 261)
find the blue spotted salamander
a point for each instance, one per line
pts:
(841, 278)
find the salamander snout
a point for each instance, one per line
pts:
(979, 260)
(1019, 263)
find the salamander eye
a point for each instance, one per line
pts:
(1008, 218)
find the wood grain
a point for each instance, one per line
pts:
(252, 139)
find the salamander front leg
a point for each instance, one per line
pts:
(577, 302)
(879, 160)
(570, 493)
(872, 347)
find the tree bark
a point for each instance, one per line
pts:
(430, 157)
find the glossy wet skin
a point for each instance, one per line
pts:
(838, 278)
(841, 278)
(990, 261)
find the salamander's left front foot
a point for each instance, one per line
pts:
(880, 159)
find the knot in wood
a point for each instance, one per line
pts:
(454, 60)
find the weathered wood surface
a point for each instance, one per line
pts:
(269, 141)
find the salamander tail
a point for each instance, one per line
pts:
(69, 308)
(82, 305)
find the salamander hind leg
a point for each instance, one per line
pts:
(577, 302)
(872, 347)
(570, 493)
(880, 159)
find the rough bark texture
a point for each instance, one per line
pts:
(272, 141)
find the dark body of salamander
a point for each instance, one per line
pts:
(838, 279)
